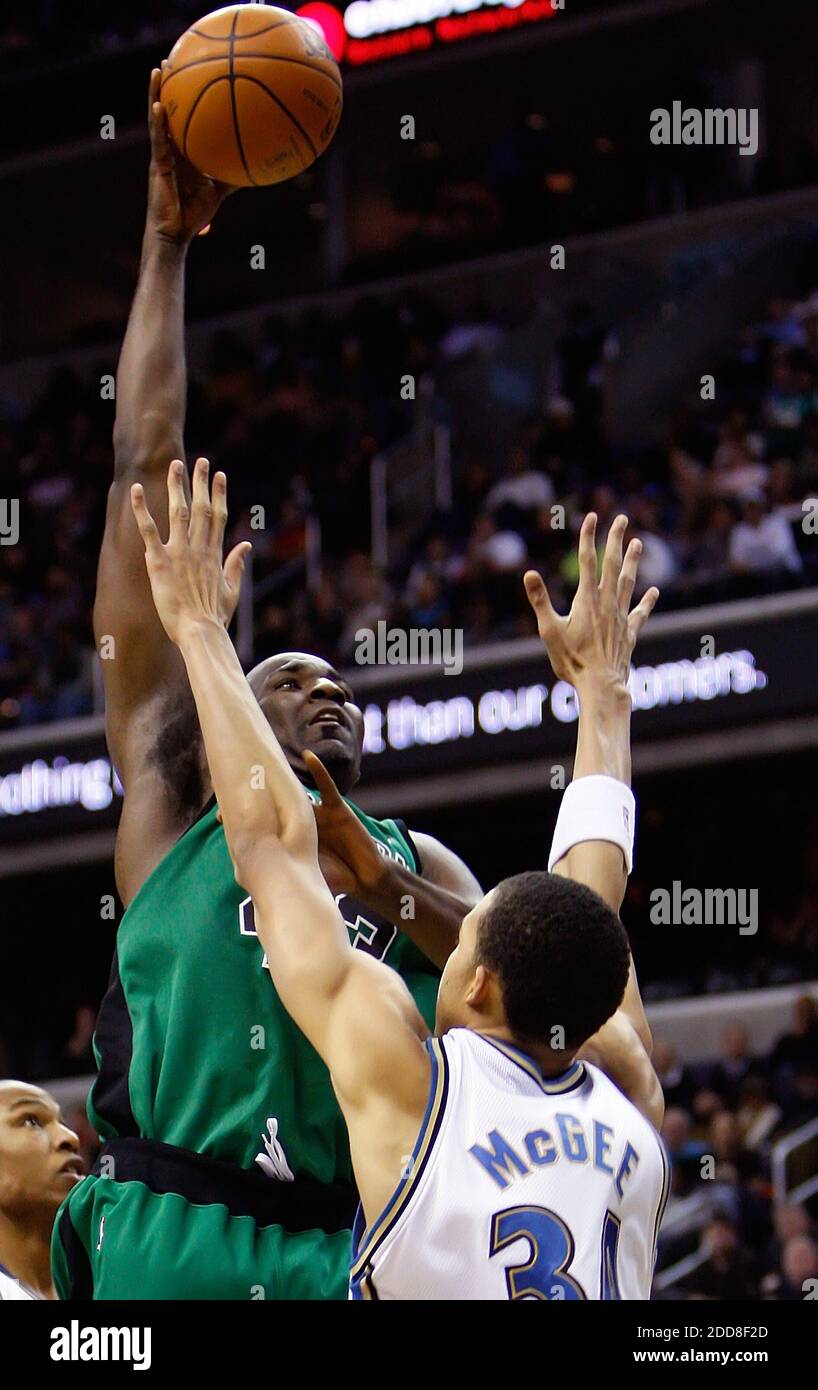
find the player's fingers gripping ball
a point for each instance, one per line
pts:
(253, 94)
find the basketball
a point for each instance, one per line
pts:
(253, 95)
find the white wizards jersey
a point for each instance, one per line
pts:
(519, 1186)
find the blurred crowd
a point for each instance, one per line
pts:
(296, 418)
(49, 29)
(729, 1232)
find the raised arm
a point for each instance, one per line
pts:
(592, 649)
(143, 673)
(356, 1012)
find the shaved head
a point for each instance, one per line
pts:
(309, 705)
(39, 1160)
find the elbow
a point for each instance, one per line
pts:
(255, 847)
(246, 851)
(147, 445)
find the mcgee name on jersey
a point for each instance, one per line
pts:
(571, 1141)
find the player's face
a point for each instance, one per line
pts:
(39, 1158)
(308, 705)
(458, 975)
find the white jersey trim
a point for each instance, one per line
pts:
(366, 1242)
(12, 1290)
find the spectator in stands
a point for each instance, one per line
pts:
(429, 607)
(706, 1104)
(324, 618)
(782, 327)
(724, 1142)
(789, 1219)
(677, 1083)
(730, 1270)
(757, 1115)
(367, 600)
(734, 1066)
(762, 541)
(800, 1098)
(684, 1150)
(735, 472)
(658, 564)
(708, 555)
(797, 1276)
(525, 489)
(781, 491)
(439, 560)
(494, 548)
(799, 1046)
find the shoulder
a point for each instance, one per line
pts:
(442, 866)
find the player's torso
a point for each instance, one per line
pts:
(517, 1188)
(194, 1046)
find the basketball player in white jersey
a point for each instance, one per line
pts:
(491, 1163)
(39, 1164)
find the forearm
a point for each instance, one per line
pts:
(258, 793)
(603, 748)
(618, 1050)
(151, 378)
(425, 912)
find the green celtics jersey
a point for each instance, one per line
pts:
(193, 1044)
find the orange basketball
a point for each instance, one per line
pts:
(253, 94)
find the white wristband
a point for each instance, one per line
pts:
(595, 808)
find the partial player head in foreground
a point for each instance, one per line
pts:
(541, 960)
(39, 1165)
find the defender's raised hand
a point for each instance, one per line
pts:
(188, 580)
(181, 201)
(596, 640)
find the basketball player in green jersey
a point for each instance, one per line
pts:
(226, 1172)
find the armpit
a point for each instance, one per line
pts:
(178, 752)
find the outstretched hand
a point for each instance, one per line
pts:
(181, 201)
(596, 641)
(188, 580)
